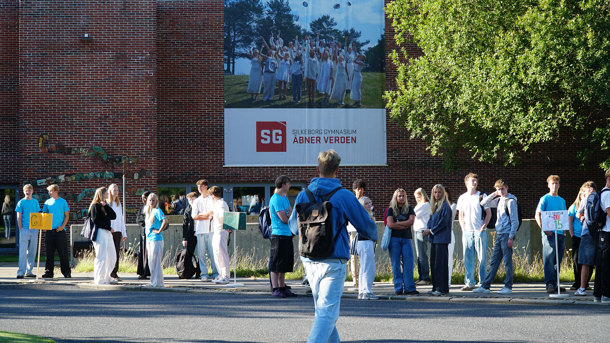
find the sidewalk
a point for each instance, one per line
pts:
(529, 293)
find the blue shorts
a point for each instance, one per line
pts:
(586, 250)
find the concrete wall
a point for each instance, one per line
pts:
(251, 245)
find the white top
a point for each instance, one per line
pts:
(422, 215)
(470, 205)
(118, 224)
(605, 203)
(202, 205)
(219, 207)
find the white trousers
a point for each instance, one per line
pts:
(154, 251)
(366, 251)
(221, 253)
(105, 257)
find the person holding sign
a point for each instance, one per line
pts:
(27, 237)
(156, 222)
(551, 202)
(506, 228)
(105, 257)
(221, 236)
(56, 237)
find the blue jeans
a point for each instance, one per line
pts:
(28, 240)
(297, 80)
(7, 225)
(501, 252)
(204, 246)
(326, 279)
(475, 244)
(548, 257)
(401, 256)
(422, 248)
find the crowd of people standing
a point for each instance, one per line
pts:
(330, 70)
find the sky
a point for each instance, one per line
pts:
(366, 16)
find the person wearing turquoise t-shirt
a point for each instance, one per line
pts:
(56, 238)
(551, 202)
(282, 251)
(156, 223)
(28, 238)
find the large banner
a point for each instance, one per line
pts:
(302, 77)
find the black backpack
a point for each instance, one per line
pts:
(184, 265)
(315, 223)
(598, 220)
(264, 222)
(519, 215)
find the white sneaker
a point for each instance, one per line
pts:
(221, 281)
(205, 279)
(481, 290)
(505, 290)
(580, 292)
(369, 296)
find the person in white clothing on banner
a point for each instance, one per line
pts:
(119, 233)
(221, 237)
(102, 214)
(156, 223)
(201, 216)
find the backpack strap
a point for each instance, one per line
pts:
(326, 198)
(310, 195)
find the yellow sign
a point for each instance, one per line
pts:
(41, 221)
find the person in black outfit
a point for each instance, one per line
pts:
(189, 240)
(143, 270)
(105, 257)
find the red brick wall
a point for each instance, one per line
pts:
(9, 90)
(149, 85)
(84, 94)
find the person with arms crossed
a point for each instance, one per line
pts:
(56, 239)
(201, 215)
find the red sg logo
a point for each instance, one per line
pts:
(270, 136)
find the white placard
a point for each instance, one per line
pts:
(295, 136)
(555, 220)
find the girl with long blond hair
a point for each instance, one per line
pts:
(400, 217)
(576, 233)
(422, 244)
(118, 225)
(102, 214)
(155, 223)
(439, 231)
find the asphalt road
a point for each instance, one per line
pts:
(71, 314)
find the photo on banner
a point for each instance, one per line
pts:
(322, 60)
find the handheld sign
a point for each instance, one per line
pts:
(234, 221)
(555, 220)
(41, 221)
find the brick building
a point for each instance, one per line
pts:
(86, 86)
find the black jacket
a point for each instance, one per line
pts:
(188, 224)
(102, 216)
(141, 219)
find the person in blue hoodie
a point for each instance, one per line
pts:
(439, 231)
(327, 276)
(506, 228)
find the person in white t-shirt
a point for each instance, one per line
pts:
(221, 236)
(202, 210)
(473, 221)
(422, 244)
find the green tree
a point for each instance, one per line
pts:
(240, 29)
(498, 77)
(375, 56)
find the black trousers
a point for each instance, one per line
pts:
(191, 246)
(56, 240)
(439, 255)
(143, 269)
(602, 263)
(578, 267)
(116, 237)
